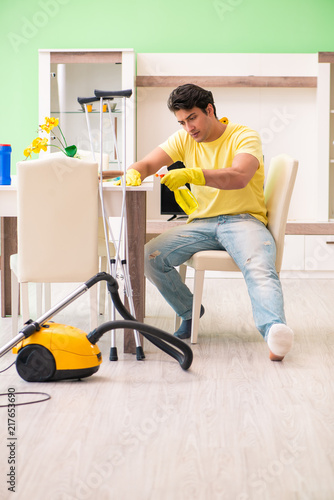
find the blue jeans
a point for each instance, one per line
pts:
(249, 243)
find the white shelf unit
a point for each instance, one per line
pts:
(326, 134)
(65, 75)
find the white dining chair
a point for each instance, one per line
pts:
(278, 191)
(57, 228)
(87, 155)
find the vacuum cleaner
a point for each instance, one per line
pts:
(48, 351)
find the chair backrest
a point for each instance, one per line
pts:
(57, 219)
(278, 191)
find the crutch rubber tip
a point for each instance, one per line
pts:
(113, 354)
(140, 353)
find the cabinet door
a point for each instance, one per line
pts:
(293, 256)
(319, 253)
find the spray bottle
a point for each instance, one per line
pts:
(183, 196)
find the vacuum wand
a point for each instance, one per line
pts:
(26, 331)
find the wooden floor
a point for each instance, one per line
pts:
(236, 426)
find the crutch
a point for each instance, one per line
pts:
(85, 102)
(106, 97)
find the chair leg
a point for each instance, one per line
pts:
(43, 298)
(15, 303)
(197, 301)
(47, 297)
(39, 294)
(183, 273)
(25, 301)
(93, 307)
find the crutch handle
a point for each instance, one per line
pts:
(87, 100)
(113, 93)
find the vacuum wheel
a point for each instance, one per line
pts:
(35, 363)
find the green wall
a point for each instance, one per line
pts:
(145, 26)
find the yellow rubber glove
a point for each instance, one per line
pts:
(133, 177)
(180, 176)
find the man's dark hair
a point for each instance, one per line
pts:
(189, 96)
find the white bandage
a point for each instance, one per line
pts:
(280, 339)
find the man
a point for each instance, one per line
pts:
(224, 164)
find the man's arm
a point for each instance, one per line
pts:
(243, 168)
(237, 176)
(152, 162)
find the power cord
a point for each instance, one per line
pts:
(1, 371)
(47, 396)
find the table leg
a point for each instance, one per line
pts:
(136, 223)
(8, 247)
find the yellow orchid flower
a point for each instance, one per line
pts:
(49, 124)
(27, 152)
(38, 144)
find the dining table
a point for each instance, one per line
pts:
(136, 231)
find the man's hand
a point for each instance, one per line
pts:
(180, 176)
(133, 177)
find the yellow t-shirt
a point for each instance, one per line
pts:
(219, 154)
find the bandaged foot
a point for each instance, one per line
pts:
(280, 340)
(184, 332)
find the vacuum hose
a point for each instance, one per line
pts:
(173, 346)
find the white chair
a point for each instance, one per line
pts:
(278, 190)
(57, 227)
(102, 250)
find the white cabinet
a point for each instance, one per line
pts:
(326, 136)
(313, 254)
(65, 75)
(294, 253)
(319, 253)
